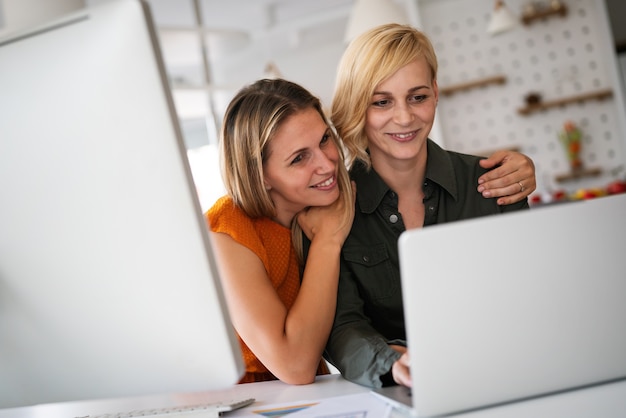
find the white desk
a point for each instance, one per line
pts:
(605, 401)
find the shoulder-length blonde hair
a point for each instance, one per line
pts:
(370, 59)
(251, 120)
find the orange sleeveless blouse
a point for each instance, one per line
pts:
(271, 242)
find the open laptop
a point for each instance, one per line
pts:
(506, 308)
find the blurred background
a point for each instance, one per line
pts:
(545, 78)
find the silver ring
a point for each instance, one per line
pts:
(521, 186)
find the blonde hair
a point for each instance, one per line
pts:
(370, 59)
(251, 120)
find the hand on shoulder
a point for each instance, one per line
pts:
(511, 177)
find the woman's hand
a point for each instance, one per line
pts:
(512, 180)
(332, 222)
(401, 369)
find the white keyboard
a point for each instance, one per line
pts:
(194, 411)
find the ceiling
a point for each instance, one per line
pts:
(238, 33)
(249, 16)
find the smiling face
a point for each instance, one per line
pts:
(300, 169)
(401, 114)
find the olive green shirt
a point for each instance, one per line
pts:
(369, 302)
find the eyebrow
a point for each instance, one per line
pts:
(292, 155)
(411, 90)
(300, 150)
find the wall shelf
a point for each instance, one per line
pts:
(545, 12)
(578, 174)
(487, 152)
(450, 90)
(597, 95)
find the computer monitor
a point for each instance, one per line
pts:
(108, 287)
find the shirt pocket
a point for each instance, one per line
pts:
(372, 269)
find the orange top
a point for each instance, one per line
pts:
(271, 242)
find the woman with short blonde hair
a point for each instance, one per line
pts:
(363, 66)
(384, 108)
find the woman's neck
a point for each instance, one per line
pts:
(283, 219)
(402, 176)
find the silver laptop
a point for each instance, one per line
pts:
(511, 307)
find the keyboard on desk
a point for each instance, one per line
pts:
(192, 411)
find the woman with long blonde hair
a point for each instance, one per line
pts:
(283, 167)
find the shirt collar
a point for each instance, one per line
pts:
(439, 169)
(371, 189)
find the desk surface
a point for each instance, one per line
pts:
(600, 401)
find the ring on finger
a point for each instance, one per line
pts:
(521, 186)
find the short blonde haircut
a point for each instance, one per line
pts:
(370, 59)
(251, 120)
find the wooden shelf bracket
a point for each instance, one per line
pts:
(578, 174)
(597, 95)
(559, 10)
(450, 90)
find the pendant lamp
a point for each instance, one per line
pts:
(367, 14)
(502, 19)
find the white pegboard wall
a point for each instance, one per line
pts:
(555, 57)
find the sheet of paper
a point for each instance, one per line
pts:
(359, 405)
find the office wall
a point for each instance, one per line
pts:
(557, 57)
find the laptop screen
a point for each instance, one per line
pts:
(508, 307)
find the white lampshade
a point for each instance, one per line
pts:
(271, 71)
(367, 14)
(502, 19)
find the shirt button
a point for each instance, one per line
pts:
(393, 218)
(431, 208)
(366, 258)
